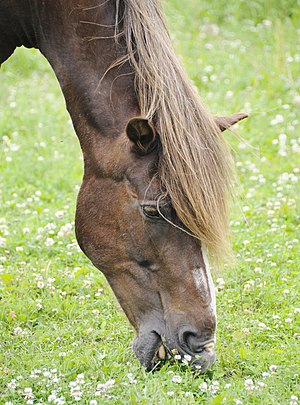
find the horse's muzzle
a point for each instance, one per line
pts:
(150, 348)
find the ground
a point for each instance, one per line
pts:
(64, 338)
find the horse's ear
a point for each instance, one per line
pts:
(226, 122)
(142, 133)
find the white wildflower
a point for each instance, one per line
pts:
(59, 214)
(249, 385)
(2, 242)
(18, 331)
(187, 357)
(49, 242)
(294, 400)
(265, 374)
(28, 393)
(203, 387)
(12, 384)
(214, 387)
(177, 379)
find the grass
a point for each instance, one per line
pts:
(58, 317)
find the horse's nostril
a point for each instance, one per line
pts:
(191, 341)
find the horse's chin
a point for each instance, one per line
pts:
(148, 349)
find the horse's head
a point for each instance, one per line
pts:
(128, 228)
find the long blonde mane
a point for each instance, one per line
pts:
(195, 166)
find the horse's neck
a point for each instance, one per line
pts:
(79, 43)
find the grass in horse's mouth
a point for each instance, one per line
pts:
(163, 354)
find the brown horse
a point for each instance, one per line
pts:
(157, 172)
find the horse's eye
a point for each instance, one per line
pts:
(151, 211)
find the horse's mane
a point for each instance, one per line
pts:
(195, 165)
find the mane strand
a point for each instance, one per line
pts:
(195, 166)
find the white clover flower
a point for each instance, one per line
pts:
(170, 393)
(110, 383)
(52, 398)
(258, 270)
(18, 331)
(177, 379)
(220, 283)
(249, 385)
(50, 226)
(75, 391)
(187, 357)
(294, 400)
(203, 387)
(214, 387)
(2, 242)
(46, 374)
(273, 368)
(80, 379)
(59, 214)
(28, 393)
(65, 230)
(49, 242)
(102, 387)
(12, 384)
(265, 374)
(277, 120)
(93, 402)
(35, 373)
(40, 284)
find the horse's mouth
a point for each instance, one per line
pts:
(151, 350)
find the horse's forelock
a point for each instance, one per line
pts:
(195, 166)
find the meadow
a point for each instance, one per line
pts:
(63, 337)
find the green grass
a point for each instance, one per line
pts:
(57, 313)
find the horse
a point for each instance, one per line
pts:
(152, 210)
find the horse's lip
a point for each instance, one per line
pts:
(146, 348)
(206, 359)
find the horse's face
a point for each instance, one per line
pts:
(158, 272)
